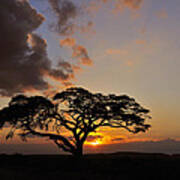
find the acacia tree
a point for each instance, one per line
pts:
(76, 110)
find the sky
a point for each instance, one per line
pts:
(109, 46)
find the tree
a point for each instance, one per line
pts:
(76, 110)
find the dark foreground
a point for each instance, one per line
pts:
(92, 167)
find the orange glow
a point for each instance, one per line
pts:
(94, 143)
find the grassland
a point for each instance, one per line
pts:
(118, 166)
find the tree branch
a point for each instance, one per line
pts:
(61, 146)
(53, 137)
(117, 126)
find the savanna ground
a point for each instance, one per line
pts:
(90, 167)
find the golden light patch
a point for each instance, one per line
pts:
(95, 139)
(95, 143)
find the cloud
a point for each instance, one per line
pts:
(92, 138)
(25, 64)
(23, 55)
(68, 42)
(65, 12)
(87, 28)
(93, 7)
(132, 4)
(117, 139)
(78, 51)
(76, 68)
(118, 5)
(81, 53)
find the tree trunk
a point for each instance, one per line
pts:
(78, 152)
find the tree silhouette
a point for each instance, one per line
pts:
(75, 110)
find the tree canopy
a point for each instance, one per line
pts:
(78, 111)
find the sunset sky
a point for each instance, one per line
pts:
(109, 46)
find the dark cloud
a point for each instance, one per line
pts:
(23, 56)
(24, 62)
(66, 12)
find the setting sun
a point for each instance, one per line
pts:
(95, 143)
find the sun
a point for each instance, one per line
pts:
(95, 143)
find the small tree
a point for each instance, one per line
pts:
(78, 111)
